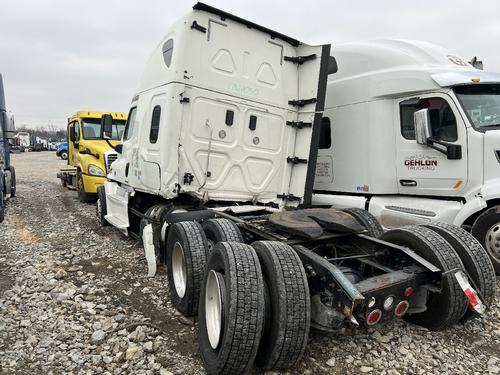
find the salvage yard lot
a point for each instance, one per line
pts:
(72, 294)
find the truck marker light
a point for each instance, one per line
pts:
(474, 300)
(476, 80)
(401, 308)
(388, 302)
(374, 317)
(408, 291)
(371, 302)
(458, 184)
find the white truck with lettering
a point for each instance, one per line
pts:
(215, 176)
(411, 132)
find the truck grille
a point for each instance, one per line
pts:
(109, 158)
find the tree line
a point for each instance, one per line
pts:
(49, 132)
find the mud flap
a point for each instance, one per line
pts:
(473, 297)
(149, 249)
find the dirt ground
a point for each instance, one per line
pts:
(63, 278)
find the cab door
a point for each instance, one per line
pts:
(73, 146)
(422, 170)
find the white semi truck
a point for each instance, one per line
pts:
(371, 155)
(215, 175)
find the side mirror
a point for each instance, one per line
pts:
(422, 123)
(72, 134)
(332, 65)
(107, 126)
(10, 128)
(119, 148)
(423, 136)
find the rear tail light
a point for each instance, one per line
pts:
(408, 291)
(374, 317)
(401, 308)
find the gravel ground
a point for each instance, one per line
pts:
(72, 294)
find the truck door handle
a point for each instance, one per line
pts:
(408, 183)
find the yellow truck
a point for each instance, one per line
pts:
(89, 154)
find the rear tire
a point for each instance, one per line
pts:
(186, 259)
(287, 327)
(367, 220)
(229, 340)
(447, 307)
(221, 230)
(101, 208)
(475, 259)
(64, 155)
(486, 229)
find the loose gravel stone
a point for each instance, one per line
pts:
(98, 337)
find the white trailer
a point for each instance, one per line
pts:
(370, 158)
(215, 176)
(23, 139)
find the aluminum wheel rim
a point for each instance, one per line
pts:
(492, 241)
(179, 272)
(213, 308)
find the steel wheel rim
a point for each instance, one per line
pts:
(179, 272)
(213, 308)
(211, 244)
(492, 241)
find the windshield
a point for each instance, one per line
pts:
(481, 103)
(92, 129)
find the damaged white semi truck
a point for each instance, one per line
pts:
(215, 175)
(411, 132)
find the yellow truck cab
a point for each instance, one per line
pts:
(89, 154)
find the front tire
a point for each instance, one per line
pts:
(187, 251)
(82, 195)
(447, 307)
(2, 206)
(231, 312)
(64, 155)
(12, 181)
(101, 208)
(486, 229)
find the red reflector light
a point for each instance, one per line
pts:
(408, 291)
(401, 308)
(374, 317)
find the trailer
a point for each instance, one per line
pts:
(215, 176)
(428, 123)
(7, 170)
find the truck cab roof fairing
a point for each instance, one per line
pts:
(224, 15)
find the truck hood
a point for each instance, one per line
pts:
(97, 147)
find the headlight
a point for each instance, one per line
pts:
(94, 170)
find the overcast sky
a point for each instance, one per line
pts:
(60, 56)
